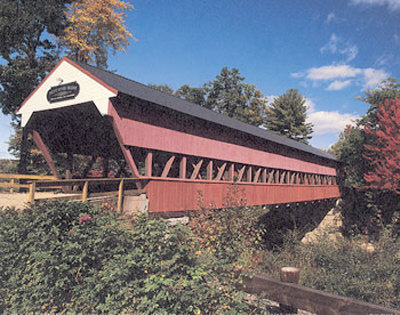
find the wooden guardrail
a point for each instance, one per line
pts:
(307, 299)
(12, 183)
(85, 186)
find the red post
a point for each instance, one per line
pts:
(148, 164)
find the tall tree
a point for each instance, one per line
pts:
(350, 148)
(229, 95)
(26, 47)
(384, 154)
(94, 28)
(287, 116)
(28, 51)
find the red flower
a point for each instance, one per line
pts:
(84, 218)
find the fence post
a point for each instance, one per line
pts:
(85, 191)
(120, 195)
(12, 182)
(32, 189)
(290, 275)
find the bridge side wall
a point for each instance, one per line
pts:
(180, 195)
(152, 136)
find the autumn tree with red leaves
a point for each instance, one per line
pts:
(384, 154)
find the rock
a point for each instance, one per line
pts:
(330, 225)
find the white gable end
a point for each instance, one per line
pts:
(89, 91)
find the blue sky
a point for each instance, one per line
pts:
(331, 50)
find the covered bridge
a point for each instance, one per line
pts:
(183, 153)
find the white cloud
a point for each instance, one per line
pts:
(372, 77)
(391, 4)
(327, 122)
(332, 72)
(383, 60)
(297, 75)
(331, 45)
(336, 45)
(335, 75)
(330, 18)
(338, 85)
(350, 51)
(330, 122)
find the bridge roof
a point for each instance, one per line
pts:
(142, 91)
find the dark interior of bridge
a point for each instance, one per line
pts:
(78, 130)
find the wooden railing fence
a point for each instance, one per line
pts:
(315, 301)
(12, 181)
(85, 183)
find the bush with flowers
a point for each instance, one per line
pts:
(72, 257)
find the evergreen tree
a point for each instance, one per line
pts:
(229, 95)
(287, 116)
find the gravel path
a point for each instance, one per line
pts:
(19, 200)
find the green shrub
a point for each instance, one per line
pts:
(230, 232)
(71, 257)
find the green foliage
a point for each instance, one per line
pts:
(388, 89)
(350, 150)
(344, 267)
(71, 257)
(165, 88)
(29, 54)
(229, 95)
(193, 94)
(227, 233)
(350, 147)
(287, 116)
(369, 212)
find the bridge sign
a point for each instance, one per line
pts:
(63, 92)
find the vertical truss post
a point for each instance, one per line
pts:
(182, 167)
(249, 174)
(230, 173)
(210, 170)
(264, 176)
(148, 164)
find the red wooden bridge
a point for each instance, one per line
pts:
(181, 150)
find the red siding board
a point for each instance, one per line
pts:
(170, 195)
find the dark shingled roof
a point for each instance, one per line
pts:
(139, 90)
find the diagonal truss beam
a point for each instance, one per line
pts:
(167, 166)
(125, 151)
(46, 153)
